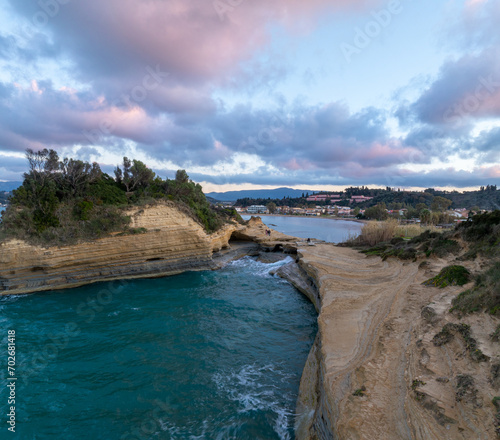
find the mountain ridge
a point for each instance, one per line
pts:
(277, 193)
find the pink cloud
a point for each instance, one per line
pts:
(192, 39)
(295, 164)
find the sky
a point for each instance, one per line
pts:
(246, 94)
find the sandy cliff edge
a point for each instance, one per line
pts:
(173, 243)
(374, 372)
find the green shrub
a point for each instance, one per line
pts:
(442, 247)
(449, 276)
(106, 191)
(485, 295)
(360, 392)
(82, 209)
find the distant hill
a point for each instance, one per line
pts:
(9, 186)
(277, 193)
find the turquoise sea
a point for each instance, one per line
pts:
(204, 355)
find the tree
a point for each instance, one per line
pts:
(271, 207)
(425, 216)
(76, 175)
(377, 212)
(420, 207)
(411, 213)
(181, 176)
(440, 204)
(135, 175)
(42, 165)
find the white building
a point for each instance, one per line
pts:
(257, 209)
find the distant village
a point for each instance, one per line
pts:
(334, 205)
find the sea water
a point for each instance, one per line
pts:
(202, 355)
(327, 229)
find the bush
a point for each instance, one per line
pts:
(442, 247)
(449, 276)
(483, 234)
(485, 295)
(82, 209)
(107, 192)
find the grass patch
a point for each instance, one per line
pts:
(449, 276)
(496, 402)
(419, 395)
(360, 392)
(485, 295)
(416, 383)
(465, 387)
(412, 231)
(495, 376)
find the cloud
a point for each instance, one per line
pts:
(466, 89)
(143, 76)
(11, 167)
(356, 175)
(192, 39)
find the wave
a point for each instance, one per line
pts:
(253, 390)
(258, 268)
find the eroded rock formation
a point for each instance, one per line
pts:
(173, 243)
(377, 370)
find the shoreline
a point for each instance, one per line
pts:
(308, 216)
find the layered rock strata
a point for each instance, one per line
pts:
(172, 243)
(375, 370)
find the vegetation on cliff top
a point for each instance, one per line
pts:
(450, 276)
(485, 295)
(478, 237)
(64, 201)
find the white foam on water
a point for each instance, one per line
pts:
(253, 392)
(258, 268)
(6, 299)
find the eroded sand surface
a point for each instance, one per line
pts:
(374, 334)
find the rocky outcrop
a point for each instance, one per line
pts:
(173, 243)
(376, 371)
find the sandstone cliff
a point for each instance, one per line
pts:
(375, 372)
(173, 243)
